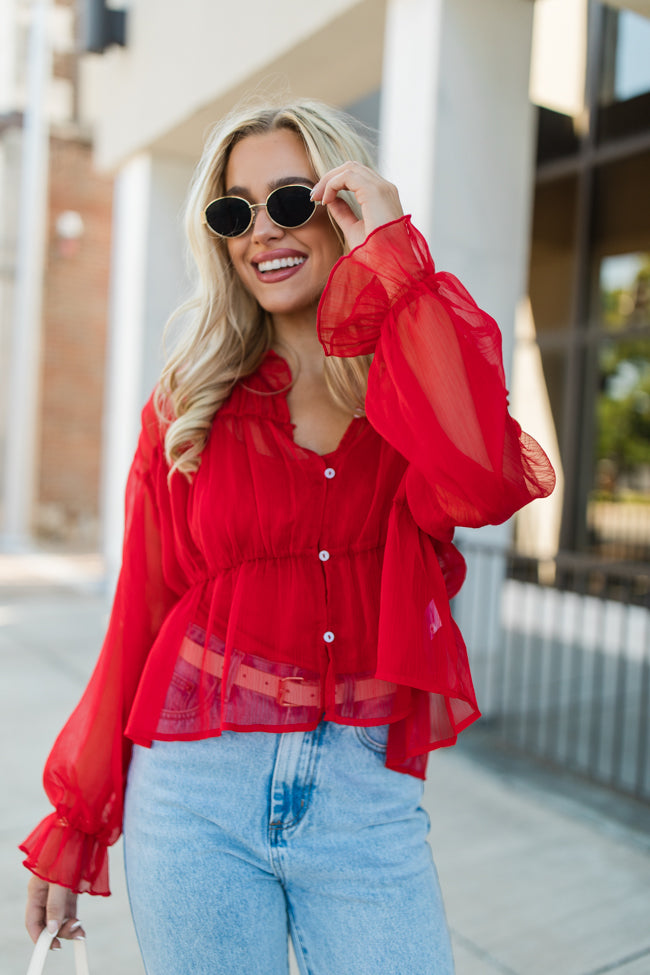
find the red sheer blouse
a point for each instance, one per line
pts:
(279, 586)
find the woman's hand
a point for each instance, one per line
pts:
(378, 199)
(54, 907)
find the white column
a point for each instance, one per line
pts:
(457, 137)
(24, 366)
(147, 283)
(7, 55)
(409, 99)
(124, 346)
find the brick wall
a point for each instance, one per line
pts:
(73, 349)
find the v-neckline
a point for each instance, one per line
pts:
(282, 392)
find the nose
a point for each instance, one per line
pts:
(263, 227)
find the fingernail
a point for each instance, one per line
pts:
(78, 937)
(55, 948)
(52, 926)
(73, 927)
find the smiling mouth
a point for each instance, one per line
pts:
(279, 263)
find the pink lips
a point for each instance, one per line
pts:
(269, 277)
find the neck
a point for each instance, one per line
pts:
(298, 335)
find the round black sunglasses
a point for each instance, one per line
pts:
(287, 206)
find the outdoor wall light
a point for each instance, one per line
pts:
(101, 26)
(69, 229)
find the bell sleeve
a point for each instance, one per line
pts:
(85, 773)
(436, 387)
(436, 393)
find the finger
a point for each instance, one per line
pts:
(55, 911)
(352, 177)
(72, 930)
(378, 199)
(317, 189)
(352, 228)
(60, 912)
(346, 169)
(37, 891)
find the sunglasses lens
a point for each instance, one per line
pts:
(290, 206)
(228, 216)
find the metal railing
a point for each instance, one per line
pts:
(560, 652)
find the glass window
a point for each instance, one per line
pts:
(623, 286)
(556, 135)
(589, 290)
(621, 209)
(625, 75)
(553, 255)
(614, 475)
(618, 508)
(550, 288)
(632, 58)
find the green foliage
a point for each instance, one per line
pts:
(623, 407)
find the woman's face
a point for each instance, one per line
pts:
(257, 165)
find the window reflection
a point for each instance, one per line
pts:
(632, 59)
(589, 289)
(618, 510)
(625, 291)
(625, 75)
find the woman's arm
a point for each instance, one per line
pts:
(436, 389)
(85, 772)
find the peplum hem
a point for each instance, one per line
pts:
(60, 854)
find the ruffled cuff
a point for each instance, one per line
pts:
(61, 854)
(364, 284)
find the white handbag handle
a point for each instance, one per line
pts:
(42, 946)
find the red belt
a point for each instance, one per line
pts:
(286, 691)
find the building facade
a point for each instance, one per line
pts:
(55, 229)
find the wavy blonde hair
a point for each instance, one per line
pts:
(225, 333)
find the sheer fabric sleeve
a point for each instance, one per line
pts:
(85, 772)
(436, 388)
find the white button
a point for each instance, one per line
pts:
(328, 637)
(323, 556)
(329, 472)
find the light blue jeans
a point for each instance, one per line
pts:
(233, 843)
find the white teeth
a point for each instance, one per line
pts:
(279, 263)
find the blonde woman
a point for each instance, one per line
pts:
(281, 656)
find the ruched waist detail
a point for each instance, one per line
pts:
(218, 569)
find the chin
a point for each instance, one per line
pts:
(279, 306)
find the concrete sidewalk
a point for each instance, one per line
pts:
(541, 875)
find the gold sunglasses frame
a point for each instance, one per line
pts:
(254, 207)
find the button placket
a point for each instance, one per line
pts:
(324, 555)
